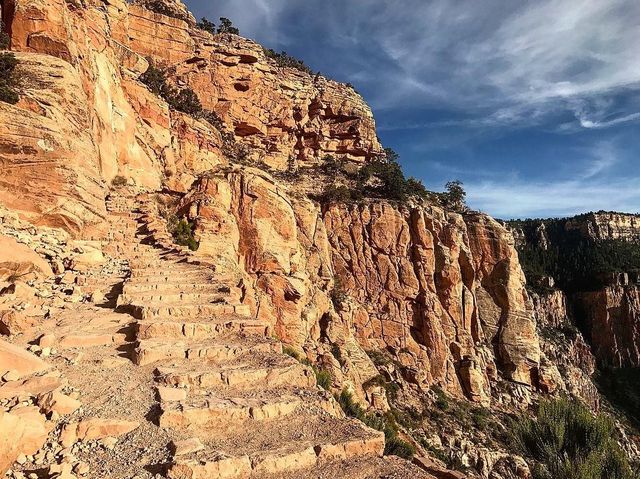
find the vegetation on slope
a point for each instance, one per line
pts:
(383, 178)
(576, 263)
(621, 387)
(394, 444)
(5, 40)
(8, 79)
(568, 442)
(284, 60)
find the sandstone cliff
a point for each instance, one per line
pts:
(606, 306)
(441, 290)
(439, 294)
(115, 126)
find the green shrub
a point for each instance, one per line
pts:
(338, 294)
(568, 442)
(284, 60)
(8, 64)
(415, 187)
(119, 181)
(331, 165)
(442, 401)
(5, 39)
(226, 26)
(323, 378)
(394, 445)
(182, 232)
(161, 7)
(388, 179)
(289, 351)
(184, 100)
(379, 358)
(206, 25)
(455, 196)
(480, 417)
(340, 194)
(156, 80)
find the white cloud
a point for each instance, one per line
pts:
(586, 188)
(500, 61)
(587, 123)
(561, 198)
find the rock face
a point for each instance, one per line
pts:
(113, 125)
(440, 293)
(444, 292)
(606, 226)
(612, 317)
(607, 311)
(20, 261)
(442, 287)
(569, 362)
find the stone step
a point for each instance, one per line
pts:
(212, 411)
(152, 350)
(363, 467)
(182, 273)
(181, 310)
(170, 288)
(176, 297)
(239, 376)
(291, 443)
(159, 264)
(199, 330)
(172, 278)
(132, 251)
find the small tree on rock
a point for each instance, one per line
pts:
(226, 26)
(455, 196)
(8, 63)
(206, 25)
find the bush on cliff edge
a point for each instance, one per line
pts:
(4, 37)
(8, 63)
(568, 442)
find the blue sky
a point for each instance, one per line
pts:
(534, 105)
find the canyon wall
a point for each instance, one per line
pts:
(444, 292)
(116, 127)
(608, 312)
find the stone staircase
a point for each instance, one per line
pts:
(233, 404)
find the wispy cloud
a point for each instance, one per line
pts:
(522, 199)
(498, 61)
(587, 123)
(586, 188)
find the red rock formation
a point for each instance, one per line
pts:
(113, 125)
(612, 317)
(443, 291)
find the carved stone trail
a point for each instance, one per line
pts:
(231, 402)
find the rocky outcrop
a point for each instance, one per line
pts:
(612, 319)
(568, 359)
(606, 226)
(113, 126)
(444, 292)
(440, 289)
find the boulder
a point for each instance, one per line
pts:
(14, 358)
(14, 322)
(23, 432)
(18, 261)
(95, 428)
